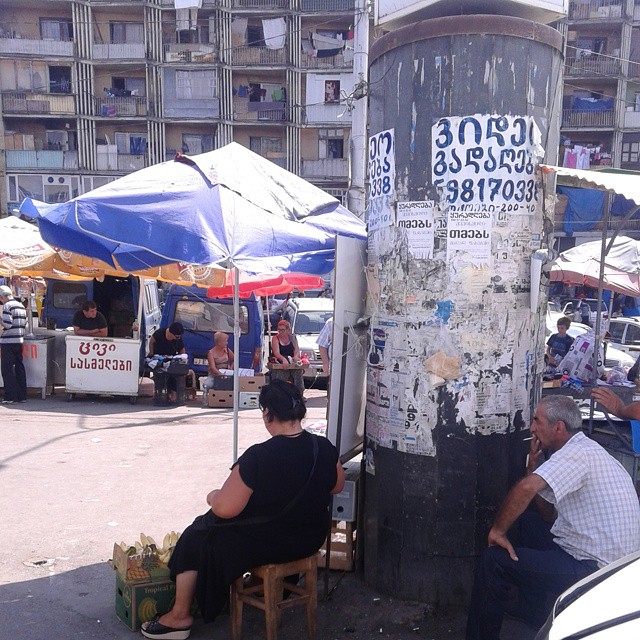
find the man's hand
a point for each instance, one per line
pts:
(498, 539)
(536, 455)
(614, 404)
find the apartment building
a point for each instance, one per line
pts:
(601, 98)
(94, 89)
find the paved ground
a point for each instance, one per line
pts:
(77, 477)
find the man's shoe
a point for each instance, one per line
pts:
(8, 402)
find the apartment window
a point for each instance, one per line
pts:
(265, 146)
(126, 32)
(630, 151)
(89, 183)
(59, 79)
(195, 85)
(193, 144)
(61, 140)
(56, 29)
(331, 143)
(134, 144)
(332, 90)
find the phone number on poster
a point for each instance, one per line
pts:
(489, 190)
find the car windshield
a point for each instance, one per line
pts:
(311, 321)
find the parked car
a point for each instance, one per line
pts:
(307, 317)
(625, 334)
(603, 605)
(573, 308)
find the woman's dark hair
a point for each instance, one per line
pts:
(283, 401)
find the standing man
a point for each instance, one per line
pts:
(89, 321)
(584, 492)
(324, 343)
(14, 321)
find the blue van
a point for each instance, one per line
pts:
(202, 317)
(116, 298)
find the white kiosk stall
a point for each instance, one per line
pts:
(37, 355)
(102, 366)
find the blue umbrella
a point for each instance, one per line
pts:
(229, 207)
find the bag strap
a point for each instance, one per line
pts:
(289, 506)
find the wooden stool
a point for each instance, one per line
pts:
(268, 595)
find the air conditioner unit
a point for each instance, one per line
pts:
(57, 179)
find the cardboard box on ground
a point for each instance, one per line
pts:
(250, 387)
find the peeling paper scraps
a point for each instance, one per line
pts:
(444, 366)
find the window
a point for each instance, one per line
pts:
(134, 144)
(56, 29)
(208, 317)
(255, 35)
(633, 335)
(93, 182)
(192, 144)
(197, 85)
(59, 79)
(332, 90)
(68, 295)
(264, 146)
(60, 140)
(331, 143)
(128, 86)
(616, 330)
(126, 32)
(630, 151)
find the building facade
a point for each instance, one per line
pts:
(601, 99)
(94, 89)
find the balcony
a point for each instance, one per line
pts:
(632, 119)
(126, 51)
(326, 113)
(110, 160)
(596, 10)
(130, 162)
(592, 119)
(329, 168)
(192, 53)
(125, 106)
(24, 46)
(260, 5)
(206, 4)
(341, 61)
(327, 6)
(591, 66)
(244, 111)
(19, 159)
(258, 56)
(30, 103)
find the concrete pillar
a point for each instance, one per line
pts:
(455, 351)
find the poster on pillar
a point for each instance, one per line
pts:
(381, 171)
(485, 167)
(418, 220)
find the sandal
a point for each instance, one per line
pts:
(155, 629)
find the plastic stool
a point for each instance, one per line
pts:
(268, 595)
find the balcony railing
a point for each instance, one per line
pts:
(131, 162)
(244, 111)
(189, 53)
(24, 46)
(596, 9)
(19, 159)
(210, 4)
(341, 61)
(591, 66)
(127, 51)
(574, 118)
(325, 168)
(111, 107)
(327, 6)
(38, 103)
(258, 56)
(260, 4)
(326, 113)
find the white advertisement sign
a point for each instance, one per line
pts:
(102, 365)
(418, 219)
(469, 232)
(381, 172)
(34, 358)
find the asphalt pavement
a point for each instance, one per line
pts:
(78, 476)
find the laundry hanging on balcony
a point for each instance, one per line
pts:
(585, 208)
(593, 104)
(239, 32)
(275, 33)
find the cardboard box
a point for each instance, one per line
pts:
(222, 399)
(137, 603)
(249, 400)
(251, 384)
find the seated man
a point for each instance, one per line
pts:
(594, 508)
(89, 321)
(168, 342)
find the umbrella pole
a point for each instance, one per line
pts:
(236, 358)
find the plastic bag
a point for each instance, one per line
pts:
(617, 375)
(578, 363)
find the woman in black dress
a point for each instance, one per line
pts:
(273, 508)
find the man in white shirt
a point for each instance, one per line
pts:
(592, 503)
(324, 345)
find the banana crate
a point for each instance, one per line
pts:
(144, 561)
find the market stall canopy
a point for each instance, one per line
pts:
(581, 266)
(266, 284)
(625, 183)
(229, 207)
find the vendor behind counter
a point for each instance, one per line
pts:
(89, 321)
(167, 342)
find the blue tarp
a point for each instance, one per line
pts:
(593, 104)
(584, 209)
(228, 206)
(621, 206)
